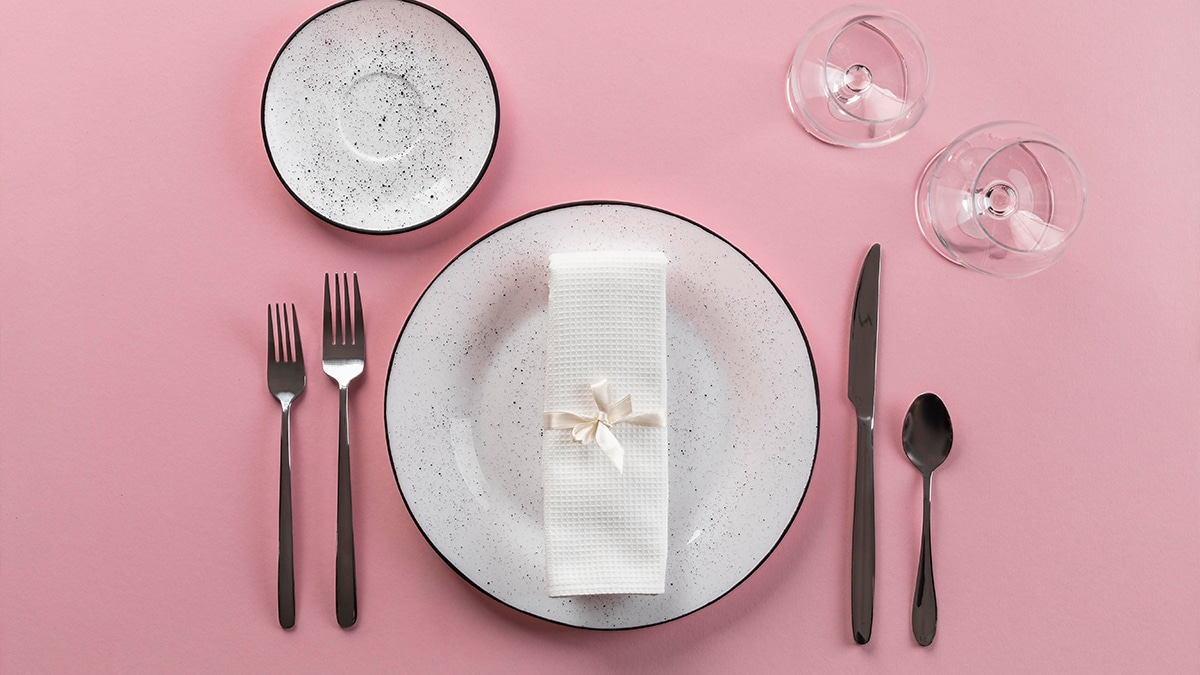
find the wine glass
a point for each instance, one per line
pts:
(860, 77)
(1004, 199)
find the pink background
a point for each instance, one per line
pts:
(142, 231)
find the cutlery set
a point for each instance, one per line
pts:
(926, 436)
(343, 359)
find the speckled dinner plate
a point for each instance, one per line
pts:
(464, 403)
(380, 115)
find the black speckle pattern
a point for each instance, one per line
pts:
(380, 115)
(465, 395)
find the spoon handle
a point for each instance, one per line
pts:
(924, 610)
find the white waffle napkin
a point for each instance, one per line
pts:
(606, 517)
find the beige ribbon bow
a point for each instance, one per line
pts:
(599, 426)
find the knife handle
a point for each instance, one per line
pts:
(862, 554)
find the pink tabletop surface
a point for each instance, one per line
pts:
(142, 231)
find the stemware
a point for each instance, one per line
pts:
(860, 77)
(1004, 199)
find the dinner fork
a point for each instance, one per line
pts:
(285, 380)
(344, 359)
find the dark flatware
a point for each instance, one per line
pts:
(927, 438)
(285, 380)
(343, 359)
(861, 390)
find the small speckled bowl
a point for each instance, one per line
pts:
(465, 395)
(380, 116)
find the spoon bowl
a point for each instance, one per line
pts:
(927, 434)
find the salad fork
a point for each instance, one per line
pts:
(285, 380)
(344, 359)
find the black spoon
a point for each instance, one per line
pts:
(927, 437)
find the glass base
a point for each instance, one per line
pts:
(1003, 199)
(924, 222)
(859, 78)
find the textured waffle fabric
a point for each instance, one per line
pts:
(606, 530)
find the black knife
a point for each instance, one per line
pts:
(864, 331)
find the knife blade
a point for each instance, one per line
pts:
(864, 334)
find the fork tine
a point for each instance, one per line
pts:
(279, 324)
(349, 332)
(359, 335)
(328, 319)
(287, 335)
(296, 332)
(270, 336)
(339, 326)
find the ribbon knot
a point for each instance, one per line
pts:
(598, 427)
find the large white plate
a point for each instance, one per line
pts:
(380, 115)
(464, 403)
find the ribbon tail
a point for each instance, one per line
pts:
(657, 418)
(558, 419)
(611, 446)
(620, 410)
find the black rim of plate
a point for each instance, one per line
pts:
(482, 170)
(601, 202)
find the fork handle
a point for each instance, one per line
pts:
(287, 570)
(346, 590)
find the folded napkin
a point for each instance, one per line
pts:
(604, 448)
